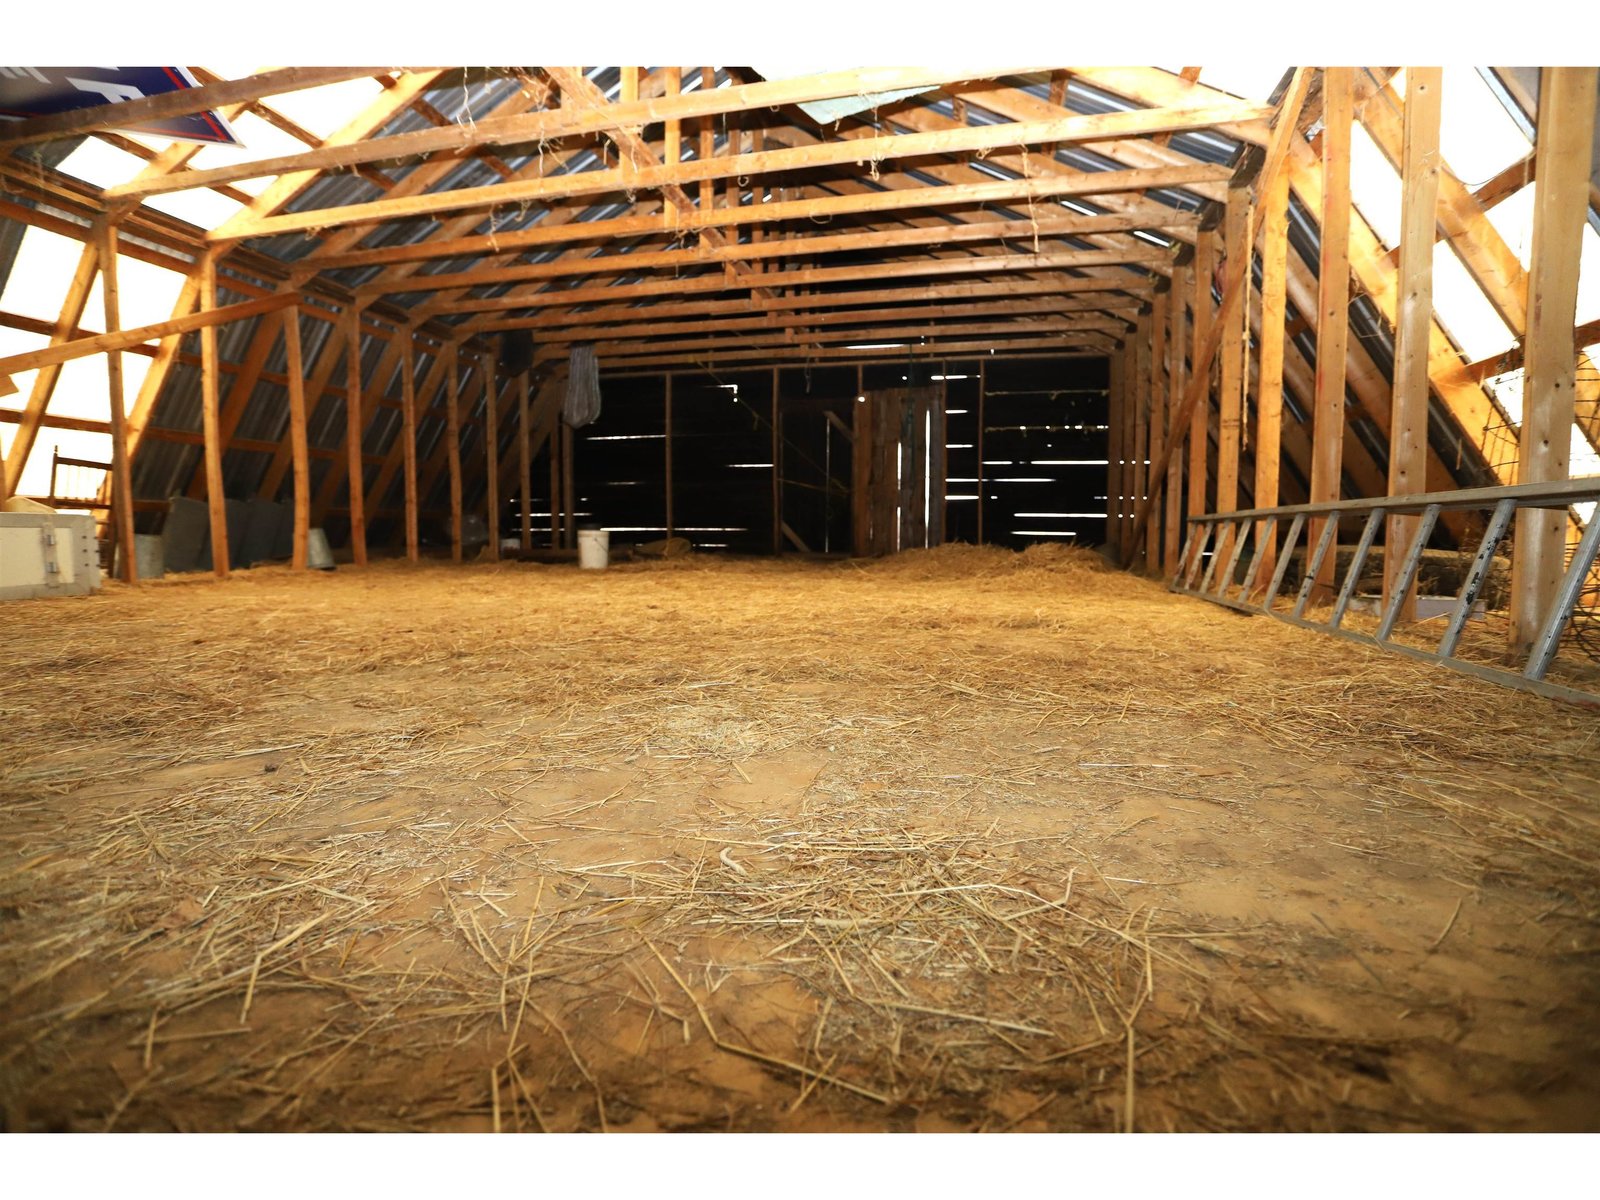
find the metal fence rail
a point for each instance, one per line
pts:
(1227, 533)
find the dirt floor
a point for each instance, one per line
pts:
(958, 840)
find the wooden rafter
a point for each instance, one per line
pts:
(177, 104)
(1075, 128)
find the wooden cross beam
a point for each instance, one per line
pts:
(820, 209)
(1022, 232)
(572, 326)
(177, 104)
(572, 120)
(979, 264)
(854, 151)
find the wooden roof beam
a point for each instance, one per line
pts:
(928, 294)
(877, 239)
(571, 121)
(1073, 128)
(922, 353)
(1135, 284)
(178, 104)
(814, 209)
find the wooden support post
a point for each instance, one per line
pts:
(672, 140)
(491, 449)
(356, 474)
(1156, 423)
(1116, 397)
(1177, 379)
(298, 446)
(861, 452)
(777, 472)
(1408, 421)
(1333, 312)
(408, 434)
(1130, 439)
(525, 467)
(668, 416)
(1269, 394)
(554, 445)
(1566, 133)
(120, 523)
(1230, 388)
(209, 397)
(1144, 373)
(708, 142)
(983, 389)
(1205, 262)
(452, 434)
(569, 487)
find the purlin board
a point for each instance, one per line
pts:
(43, 91)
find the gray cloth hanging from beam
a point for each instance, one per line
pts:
(583, 387)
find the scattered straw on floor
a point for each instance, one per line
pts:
(958, 839)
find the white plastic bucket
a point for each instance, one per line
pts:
(594, 549)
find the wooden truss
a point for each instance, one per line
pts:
(691, 218)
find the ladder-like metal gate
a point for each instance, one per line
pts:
(1226, 534)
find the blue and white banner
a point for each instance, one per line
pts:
(41, 91)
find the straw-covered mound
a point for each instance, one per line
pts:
(958, 839)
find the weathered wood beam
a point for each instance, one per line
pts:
(1565, 139)
(569, 121)
(1269, 385)
(1283, 134)
(1231, 380)
(121, 517)
(1333, 310)
(1177, 350)
(107, 342)
(215, 497)
(898, 269)
(1097, 300)
(177, 104)
(300, 450)
(1022, 232)
(1105, 314)
(452, 433)
(844, 353)
(1136, 123)
(354, 429)
(408, 443)
(44, 384)
(1408, 429)
(820, 208)
(1199, 432)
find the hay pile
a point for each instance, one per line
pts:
(952, 840)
